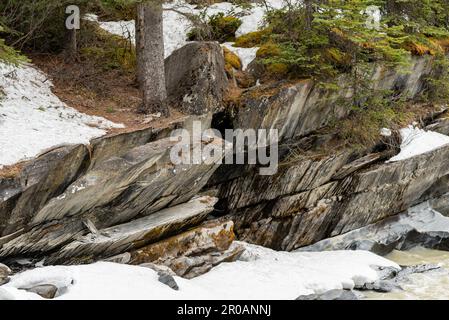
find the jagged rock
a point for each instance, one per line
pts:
(194, 252)
(419, 226)
(168, 280)
(116, 145)
(196, 78)
(46, 291)
(135, 184)
(132, 235)
(387, 273)
(4, 274)
(390, 279)
(38, 182)
(336, 294)
(304, 202)
(316, 196)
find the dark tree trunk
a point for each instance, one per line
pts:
(309, 14)
(72, 45)
(150, 57)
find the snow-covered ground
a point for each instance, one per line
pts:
(33, 119)
(261, 274)
(417, 141)
(176, 25)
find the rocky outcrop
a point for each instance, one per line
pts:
(79, 203)
(38, 182)
(193, 253)
(323, 189)
(134, 234)
(310, 200)
(168, 280)
(299, 109)
(419, 226)
(72, 191)
(196, 78)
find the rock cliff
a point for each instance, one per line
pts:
(123, 195)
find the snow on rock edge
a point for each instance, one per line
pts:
(260, 274)
(417, 141)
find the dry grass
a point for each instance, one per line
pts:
(12, 171)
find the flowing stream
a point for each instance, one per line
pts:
(424, 286)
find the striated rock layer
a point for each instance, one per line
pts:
(316, 196)
(71, 191)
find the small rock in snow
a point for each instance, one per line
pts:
(168, 280)
(46, 291)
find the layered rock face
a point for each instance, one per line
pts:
(418, 226)
(78, 203)
(134, 234)
(123, 194)
(310, 200)
(315, 197)
(70, 192)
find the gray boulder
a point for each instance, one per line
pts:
(168, 280)
(46, 291)
(196, 78)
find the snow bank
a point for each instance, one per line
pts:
(416, 141)
(33, 119)
(176, 25)
(261, 274)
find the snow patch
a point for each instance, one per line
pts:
(417, 141)
(177, 25)
(246, 55)
(33, 119)
(260, 274)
